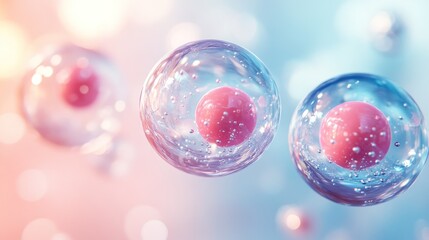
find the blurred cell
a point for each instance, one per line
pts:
(12, 128)
(386, 30)
(13, 47)
(210, 108)
(154, 230)
(380, 23)
(72, 95)
(32, 185)
(89, 21)
(294, 220)
(358, 139)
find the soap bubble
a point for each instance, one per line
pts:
(385, 118)
(201, 78)
(72, 95)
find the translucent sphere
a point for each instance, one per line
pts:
(72, 95)
(358, 139)
(210, 108)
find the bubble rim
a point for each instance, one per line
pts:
(179, 53)
(304, 167)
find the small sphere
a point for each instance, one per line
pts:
(72, 95)
(81, 87)
(358, 139)
(210, 108)
(355, 135)
(226, 116)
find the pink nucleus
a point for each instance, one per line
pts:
(355, 135)
(82, 87)
(226, 116)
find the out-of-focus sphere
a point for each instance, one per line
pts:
(294, 220)
(358, 139)
(355, 135)
(210, 108)
(82, 86)
(71, 96)
(386, 31)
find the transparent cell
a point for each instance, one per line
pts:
(210, 108)
(358, 139)
(72, 95)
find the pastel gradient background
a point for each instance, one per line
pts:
(128, 192)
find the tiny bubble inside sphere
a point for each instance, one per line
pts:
(225, 116)
(355, 135)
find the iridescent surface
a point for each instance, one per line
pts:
(175, 87)
(374, 184)
(72, 95)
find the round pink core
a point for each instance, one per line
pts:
(81, 88)
(355, 135)
(226, 116)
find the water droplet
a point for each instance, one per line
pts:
(371, 154)
(356, 149)
(397, 144)
(191, 131)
